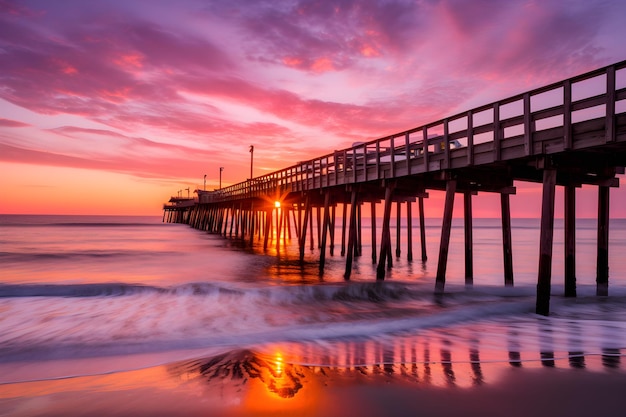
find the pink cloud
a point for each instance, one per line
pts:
(112, 64)
(41, 73)
(12, 123)
(528, 42)
(340, 33)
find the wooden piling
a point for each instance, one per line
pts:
(385, 240)
(332, 229)
(409, 231)
(311, 228)
(288, 222)
(373, 224)
(422, 228)
(232, 219)
(268, 227)
(359, 235)
(545, 242)
(570, 240)
(252, 222)
(279, 225)
(351, 235)
(602, 270)
(319, 226)
(298, 223)
(469, 238)
(325, 228)
(445, 236)
(398, 227)
(507, 250)
(307, 210)
(225, 228)
(343, 228)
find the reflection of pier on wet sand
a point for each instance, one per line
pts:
(426, 375)
(431, 359)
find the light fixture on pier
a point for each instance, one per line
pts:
(251, 159)
(221, 169)
(277, 204)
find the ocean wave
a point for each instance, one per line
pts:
(77, 255)
(73, 290)
(26, 220)
(349, 292)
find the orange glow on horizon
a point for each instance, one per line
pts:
(55, 190)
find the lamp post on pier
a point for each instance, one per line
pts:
(204, 182)
(221, 169)
(251, 159)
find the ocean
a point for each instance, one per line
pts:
(90, 296)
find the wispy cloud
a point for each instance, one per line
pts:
(12, 123)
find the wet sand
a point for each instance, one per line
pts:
(246, 384)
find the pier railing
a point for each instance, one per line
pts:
(567, 115)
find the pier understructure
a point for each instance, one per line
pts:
(566, 134)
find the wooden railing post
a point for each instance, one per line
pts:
(336, 167)
(407, 151)
(377, 159)
(345, 166)
(610, 104)
(528, 128)
(497, 133)
(354, 168)
(567, 115)
(425, 148)
(393, 157)
(446, 144)
(365, 162)
(470, 138)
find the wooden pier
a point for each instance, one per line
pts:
(565, 134)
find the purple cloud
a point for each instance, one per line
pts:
(12, 123)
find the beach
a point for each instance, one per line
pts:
(128, 316)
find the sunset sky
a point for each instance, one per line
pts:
(110, 107)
